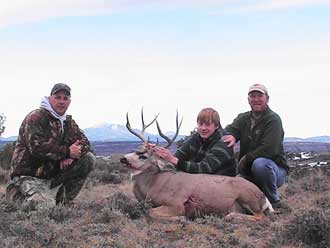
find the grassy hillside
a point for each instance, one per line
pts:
(106, 214)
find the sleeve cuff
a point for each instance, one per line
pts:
(180, 164)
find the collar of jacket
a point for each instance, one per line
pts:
(262, 114)
(215, 136)
(259, 120)
(67, 120)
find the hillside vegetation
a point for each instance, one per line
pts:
(106, 214)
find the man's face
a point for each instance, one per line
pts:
(205, 130)
(60, 102)
(258, 101)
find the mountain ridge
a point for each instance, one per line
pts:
(117, 132)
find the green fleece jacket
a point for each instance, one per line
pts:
(264, 140)
(210, 156)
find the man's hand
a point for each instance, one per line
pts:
(165, 154)
(65, 163)
(75, 150)
(230, 139)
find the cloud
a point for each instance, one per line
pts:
(15, 12)
(21, 11)
(272, 5)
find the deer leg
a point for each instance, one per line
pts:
(166, 212)
(241, 212)
(245, 217)
(192, 208)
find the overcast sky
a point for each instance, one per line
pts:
(119, 56)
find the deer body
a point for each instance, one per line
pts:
(193, 195)
(173, 193)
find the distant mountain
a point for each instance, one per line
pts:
(323, 139)
(116, 132)
(10, 138)
(293, 139)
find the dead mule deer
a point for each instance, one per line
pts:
(175, 193)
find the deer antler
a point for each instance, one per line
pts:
(178, 125)
(144, 127)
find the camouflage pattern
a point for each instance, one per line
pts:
(45, 193)
(41, 144)
(33, 191)
(57, 87)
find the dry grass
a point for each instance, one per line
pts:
(107, 215)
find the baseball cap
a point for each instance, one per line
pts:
(258, 87)
(57, 87)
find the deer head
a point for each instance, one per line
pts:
(144, 157)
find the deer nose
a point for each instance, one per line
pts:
(123, 160)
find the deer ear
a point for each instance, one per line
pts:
(165, 166)
(160, 164)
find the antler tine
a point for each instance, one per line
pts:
(144, 126)
(128, 126)
(170, 141)
(178, 125)
(161, 133)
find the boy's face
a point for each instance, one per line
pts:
(206, 129)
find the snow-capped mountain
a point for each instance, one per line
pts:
(116, 132)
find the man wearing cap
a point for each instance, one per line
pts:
(52, 156)
(261, 156)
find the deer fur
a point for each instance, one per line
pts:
(173, 193)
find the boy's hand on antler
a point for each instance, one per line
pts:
(165, 154)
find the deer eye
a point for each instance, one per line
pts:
(143, 157)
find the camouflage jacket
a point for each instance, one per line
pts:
(41, 144)
(210, 156)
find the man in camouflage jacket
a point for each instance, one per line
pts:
(204, 151)
(52, 156)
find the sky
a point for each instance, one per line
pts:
(164, 56)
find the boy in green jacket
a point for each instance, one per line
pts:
(203, 152)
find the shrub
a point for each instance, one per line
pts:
(317, 183)
(5, 155)
(300, 172)
(4, 176)
(108, 215)
(107, 172)
(8, 206)
(2, 122)
(60, 214)
(310, 227)
(113, 177)
(323, 202)
(128, 206)
(326, 170)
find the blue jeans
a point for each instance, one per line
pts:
(268, 176)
